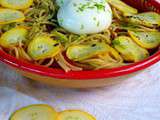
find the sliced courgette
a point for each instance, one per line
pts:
(9, 16)
(16, 4)
(13, 37)
(148, 40)
(129, 50)
(74, 115)
(35, 112)
(43, 47)
(82, 52)
(149, 19)
(123, 7)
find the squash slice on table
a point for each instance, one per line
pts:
(74, 115)
(35, 112)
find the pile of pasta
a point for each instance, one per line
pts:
(30, 32)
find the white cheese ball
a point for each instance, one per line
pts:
(85, 16)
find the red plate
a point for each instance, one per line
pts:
(145, 5)
(88, 75)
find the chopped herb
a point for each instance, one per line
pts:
(100, 6)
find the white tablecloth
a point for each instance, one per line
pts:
(137, 98)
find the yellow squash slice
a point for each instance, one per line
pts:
(35, 112)
(148, 40)
(149, 19)
(106, 60)
(16, 4)
(75, 115)
(43, 47)
(10, 16)
(123, 7)
(129, 50)
(13, 37)
(82, 52)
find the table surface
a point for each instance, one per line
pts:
(137, 98)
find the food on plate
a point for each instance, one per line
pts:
(10, 16)
(148, 40)
(16, 4)
(149, 19)
(122, 7)
(92, 16)
(43, 47)
(129, 50)
(46, 112)
(82, 52)
(76, 35)
(13, 37)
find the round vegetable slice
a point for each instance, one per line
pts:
(149, 19)
(13, 37)
(82, 52)
(147, 40)
(35, 112)
(123, 7)
(75, 115)
(16, 4)
(10, 16)
(129, 50)
(43, 47)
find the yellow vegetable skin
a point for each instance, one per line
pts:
(75, 115)
(13, 37)
(59, 36)
(123, 7)
(111, 56)
(129, 50)
(43, 47)
(35, 112)
(115, 54)
(9, 16)
(148, 40)
(149, 19)
(82, 52)
(16, 4)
